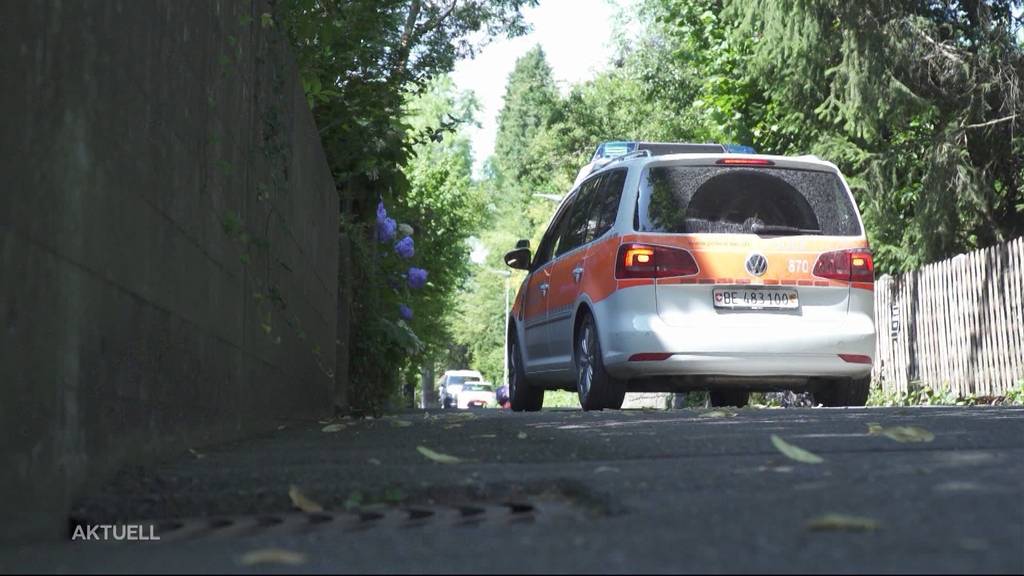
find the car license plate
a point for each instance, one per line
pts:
(756, 298)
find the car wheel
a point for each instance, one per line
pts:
(728, 397)
(596, 388)
(848, 392)
(521, 395)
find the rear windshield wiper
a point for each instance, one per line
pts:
(759, 228)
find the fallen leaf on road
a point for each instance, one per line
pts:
(718, 414)
(603, 469)
(300, 501)
(197, 454)
(521, 435)
(795, 452)
(282, 426)
(333, 428)
(374, 461)
(486, 436)
(272, 556)
(437, 456)
(841, 523)
(450, 426)
(354, 500)
(394, 495)
(461, 416)
(902, 433)
(401, 423)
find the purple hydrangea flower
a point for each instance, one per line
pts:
(386, 230)
(404, 247)
(417, 277)
(405, 311)
(385, 226)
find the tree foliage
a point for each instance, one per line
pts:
(920, 103)
(362, 62)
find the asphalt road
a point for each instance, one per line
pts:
(563, 491)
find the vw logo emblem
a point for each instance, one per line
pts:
(757, 264)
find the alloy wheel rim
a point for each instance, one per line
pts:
(585, 362)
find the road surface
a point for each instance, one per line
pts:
(630, 491)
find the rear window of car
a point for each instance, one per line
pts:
(737, 200)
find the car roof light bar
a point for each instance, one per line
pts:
(616, 149)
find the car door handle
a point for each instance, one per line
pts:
(544, 289)
(577, 273)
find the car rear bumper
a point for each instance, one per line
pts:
(750, 344)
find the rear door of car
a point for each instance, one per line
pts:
(538, 286)
(582, 252)
(566, 274)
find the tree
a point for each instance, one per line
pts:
(918, 101)
(360, 62)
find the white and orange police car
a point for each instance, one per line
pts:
(674, 267)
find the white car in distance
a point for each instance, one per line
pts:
(476, 395)
(452, 381)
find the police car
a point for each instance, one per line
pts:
(675, 267)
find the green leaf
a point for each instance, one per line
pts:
(902, 434)
(302, 502)
(272, 556)
(841, 523)
(437, 456)
(795, 452)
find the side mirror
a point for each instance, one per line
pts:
(523, 244)
(518, 259)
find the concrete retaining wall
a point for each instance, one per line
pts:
(168, 242)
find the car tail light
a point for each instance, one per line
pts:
(846, 265)
(646, 261)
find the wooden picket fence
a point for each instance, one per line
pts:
(955, 325)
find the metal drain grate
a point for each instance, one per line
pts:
(409, 517)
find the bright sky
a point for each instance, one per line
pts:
(577, 39)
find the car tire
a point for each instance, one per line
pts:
(729, 397)
(521, 395)
(847, 392)
(596, 388)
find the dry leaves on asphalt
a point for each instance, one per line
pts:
(795, 452)
(401, 423)
(198, 455)
(841, 523)
(302, 502)
(521, 435)
(437, 456)
(901, 433)
(272, 556)
(333, 428)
